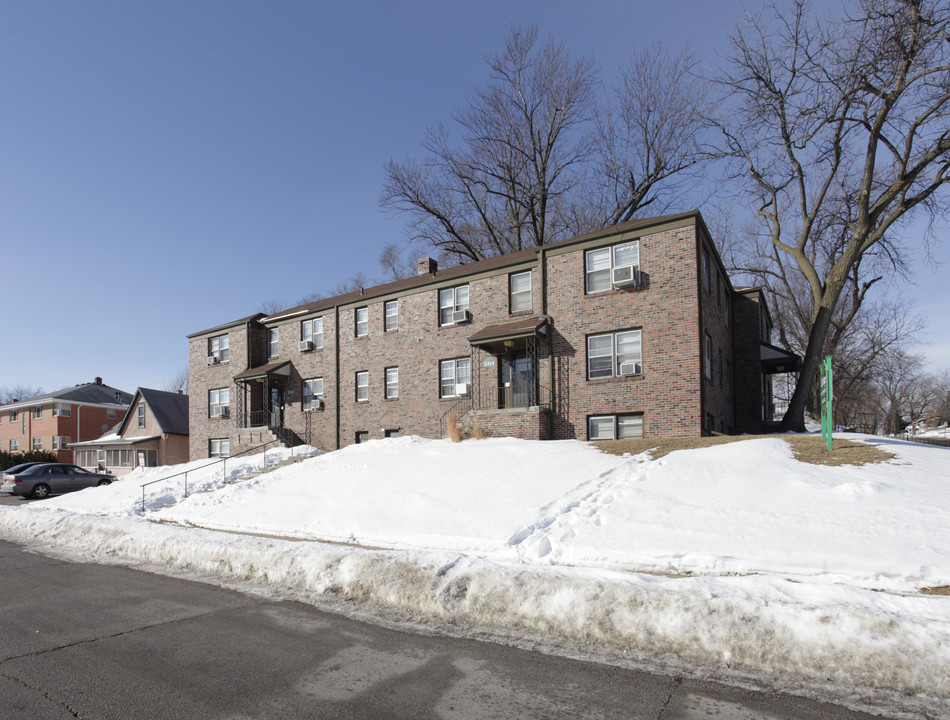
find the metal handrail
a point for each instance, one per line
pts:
(223, 461)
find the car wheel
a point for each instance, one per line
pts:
(103, 482)
(41, 491)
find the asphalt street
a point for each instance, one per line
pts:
(97, 642)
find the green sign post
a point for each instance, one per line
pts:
(827, 393)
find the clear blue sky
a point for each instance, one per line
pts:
(169, 166)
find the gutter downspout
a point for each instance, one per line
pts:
(336, 361)
(543, 266)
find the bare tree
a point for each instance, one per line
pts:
(17, 393)
(179, 383)
(907, 392)
(541, 161)
(841, 127)
(394, 264)
(649, 137)
(525, 141)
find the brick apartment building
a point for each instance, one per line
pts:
(54, 420)
(631, 331)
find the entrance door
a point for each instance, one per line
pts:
(517, 380)
(277, 406)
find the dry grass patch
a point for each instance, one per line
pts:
(807, 448)
(942, 590)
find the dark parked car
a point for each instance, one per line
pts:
(6, 477)
(41, 481)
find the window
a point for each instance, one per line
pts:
(119, 458)
(219, 401)
(66, 410)
(453, 305)
(519, 292)
(601, 264)
(708, 357)
(391, 320)
(362, 386)
(14, 446)
(219, 348)
(705, 269)
(453, 373)
(141, 414)
(60, 442)
(13, 416)
(37, 413)
(615, 427)
(392, 383)
(110, 413)
(362, 322)
(311, 331)
(37, 444)
(312, 390)
(219, 447)
(391, 433)
(362, 436)
(273, 342)
(614, 354)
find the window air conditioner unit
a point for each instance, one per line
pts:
(460, 316)
(625, 276)
(225, 412)
(463, 389)
(213, 360)
(305, 345)
(630, 368)
(317, 404)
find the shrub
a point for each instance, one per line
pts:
(455, 432)
(8, 459)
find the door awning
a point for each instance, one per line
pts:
(776, 360)
(277, 369)
(494, 336)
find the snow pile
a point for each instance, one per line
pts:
(774, 567)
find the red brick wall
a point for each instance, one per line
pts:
(664, 306)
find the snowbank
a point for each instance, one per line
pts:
(775, 566)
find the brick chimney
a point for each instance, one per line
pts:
(98, 381)
(426, 266)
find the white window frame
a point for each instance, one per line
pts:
(392, 383)
(622, 426)
(219, 346)
(362, 386)
(61, 441)
(37, 412)
(65, 410)
(312, 390)
(110, 413)
(219, 447)
(140, 411)
(453, 299)
(461, 374)
(391, 319)
(14, 416)
(361, 321)
(595, 265)
(616, 355)
(218, 400)
(312, 330)
(37, 444)
(273, 342)
(14, 446)
(517, 298)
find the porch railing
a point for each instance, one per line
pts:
(497, 398)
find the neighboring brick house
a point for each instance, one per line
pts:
(54, 420)
(634, 330)
(154, 431)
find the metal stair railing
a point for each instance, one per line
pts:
(222, 461)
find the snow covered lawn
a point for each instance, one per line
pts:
(735, 561)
